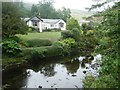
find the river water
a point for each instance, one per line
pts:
(51, 73)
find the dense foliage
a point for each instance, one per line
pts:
(72, 23)
(66, 45)
(109, 46)
(10, 47)
(11, 20)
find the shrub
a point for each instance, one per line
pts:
(10, 47)
(72, 23)
(76, 34)
(52, 30)
(70, 42)
(32, 29)
(36, 53)
(39, 42)
(90, 32)
(66, 34)
(65, 45)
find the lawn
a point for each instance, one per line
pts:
(52, 36)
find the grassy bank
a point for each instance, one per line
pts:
(52, 36)
(33, 46)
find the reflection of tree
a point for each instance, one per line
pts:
(19, 77)
(82, 64)
(48, 70)
(72, 66)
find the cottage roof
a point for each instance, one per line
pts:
(26, 19)
(51, 21)
(33, 18)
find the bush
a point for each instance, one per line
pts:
(38, 42)
(90, 32)
(32, 29)
(36, 53)
(70, 42)
(72, 23)
(10, 47)
(66, 45)
(52, 30)
(66, 34)
(76, 34)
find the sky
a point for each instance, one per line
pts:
(72, 4)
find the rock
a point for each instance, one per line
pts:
(84, 72)
(74, 75)
(39, 86)
(67, 78)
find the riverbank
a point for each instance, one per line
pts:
(31, 55)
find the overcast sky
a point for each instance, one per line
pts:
(72, 4)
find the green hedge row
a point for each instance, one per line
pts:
(36, 53)
(38, 42)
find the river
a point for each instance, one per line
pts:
(51, 73)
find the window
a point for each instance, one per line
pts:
(51, 25)
(61, 25)
(35, 23)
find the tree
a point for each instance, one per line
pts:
(64, 14)
(46, 9)
(11, 20)
(109, 28)
(34, 10)
(72, 23)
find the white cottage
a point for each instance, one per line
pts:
(43, 24)
(35, 22)
(53, 24)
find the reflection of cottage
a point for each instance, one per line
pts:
(43, 24)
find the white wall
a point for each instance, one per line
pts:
(44, 25)
(64, 27)
(29, 23)
(40, 26)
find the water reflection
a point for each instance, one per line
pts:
(54, 73)
(48, 71)
(72, 66)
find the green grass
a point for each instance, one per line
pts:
(52, 36)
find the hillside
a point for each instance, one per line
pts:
(78, 14)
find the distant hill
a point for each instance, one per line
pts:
(78, 14)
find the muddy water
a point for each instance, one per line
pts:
(51, 73)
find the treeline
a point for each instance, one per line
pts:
(45, 9)
(108, 45)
